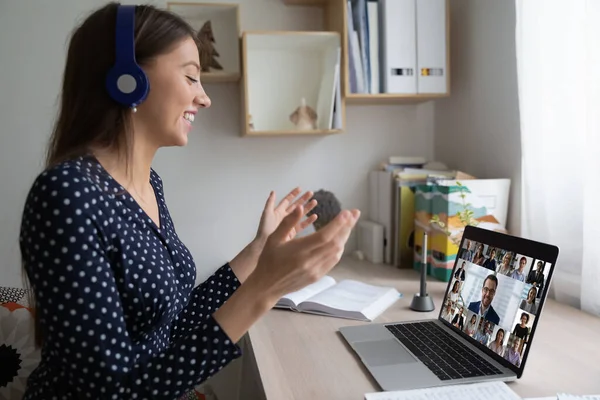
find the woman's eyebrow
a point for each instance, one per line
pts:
(194, 63)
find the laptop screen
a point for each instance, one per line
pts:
(494, 297)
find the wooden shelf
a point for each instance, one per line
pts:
(280, 68)
(335, 20)
(390, 98)
(225, 23)
(295, 133)
(305, 2)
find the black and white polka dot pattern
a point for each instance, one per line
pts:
(12, 295)
(115, 292)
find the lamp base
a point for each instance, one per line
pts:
(422, 303)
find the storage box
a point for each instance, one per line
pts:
(486, 199)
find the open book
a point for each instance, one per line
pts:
(346, 299)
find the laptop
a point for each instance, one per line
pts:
(486, 324)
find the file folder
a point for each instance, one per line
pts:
(431, 46)
(398, 46)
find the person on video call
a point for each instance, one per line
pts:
(521, 330)
(519, 274)
(460, 272)
(471, 326)
(484, 335)
(448, 311)
(496, 346)
(490, 263)
(512, 352)
(536, 277)
(459, 319)
(455, 293)
(484, 306)
(467, 253)
(505, 268)
(529, 303)
(478, 257)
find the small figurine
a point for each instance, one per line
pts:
(327, 208)
(304, 117)
(206, 48)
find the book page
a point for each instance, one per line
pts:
(349, 295)
(307, 292)
(476, 391)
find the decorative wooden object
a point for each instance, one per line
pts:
(218, 30)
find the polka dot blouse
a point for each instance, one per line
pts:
(119, 313)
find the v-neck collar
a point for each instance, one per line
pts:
(119, 191)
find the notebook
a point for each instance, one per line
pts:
(345, 299)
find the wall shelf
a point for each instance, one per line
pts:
(225, 23)
(280, 68)
(335, 20)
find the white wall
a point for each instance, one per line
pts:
(477, 127)
(217, 185)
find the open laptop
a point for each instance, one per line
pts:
(498, 287)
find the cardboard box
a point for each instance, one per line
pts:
(487, 200)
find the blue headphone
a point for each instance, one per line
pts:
(126, 82)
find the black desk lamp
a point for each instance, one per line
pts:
(422, 301)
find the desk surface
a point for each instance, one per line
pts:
(302, 356)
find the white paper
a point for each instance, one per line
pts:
(564, 396)
(477, 391)
(351, 295)
(308, 291)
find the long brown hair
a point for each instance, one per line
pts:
(88, 118)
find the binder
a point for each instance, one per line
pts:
(431, 46)
(398, 46)
(381, 203)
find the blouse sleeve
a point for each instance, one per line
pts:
(206, 298)
(81, 315)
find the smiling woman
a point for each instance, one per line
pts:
(117, 313)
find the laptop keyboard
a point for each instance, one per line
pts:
(442, 353)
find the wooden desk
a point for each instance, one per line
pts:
(303, 357)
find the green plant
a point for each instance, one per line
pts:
(466, 215)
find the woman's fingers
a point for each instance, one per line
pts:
(287, 224)
(287, 200)
(306, 222)
(302, 200)
(332, 238)
(309, 206)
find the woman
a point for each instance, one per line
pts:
(505, 268)
(471, 327)
(455, 293)
(117, 314)
(522, 331)
(478, 257)
(496, 345)
(529, 303)
(490, 263)
(448, 311)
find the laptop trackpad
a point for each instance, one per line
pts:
(378, 353)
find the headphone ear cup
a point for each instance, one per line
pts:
(126, 82)
(127, 85)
